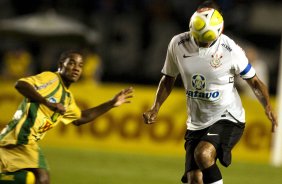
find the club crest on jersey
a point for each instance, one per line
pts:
(46, 125)
(52, 100)
(216, 60)
(199, 89)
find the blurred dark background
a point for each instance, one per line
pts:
(126, 40)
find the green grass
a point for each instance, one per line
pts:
(74, 166)
(252, 174)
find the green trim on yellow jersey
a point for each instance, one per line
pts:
(13, 123)
(53, 92)
(28, 123)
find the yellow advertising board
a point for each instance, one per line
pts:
(122, 128)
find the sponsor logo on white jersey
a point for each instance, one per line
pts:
(199, 89)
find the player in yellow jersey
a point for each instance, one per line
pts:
(48, 101)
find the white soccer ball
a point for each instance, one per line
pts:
(206, 25)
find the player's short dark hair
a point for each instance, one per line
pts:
(64, 55)
(210, 4)
(67, 54)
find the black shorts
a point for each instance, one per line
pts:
(223, 135)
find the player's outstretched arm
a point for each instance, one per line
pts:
(164, 89)
(261, 92)
(120, 98)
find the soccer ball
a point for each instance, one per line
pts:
(206, 25)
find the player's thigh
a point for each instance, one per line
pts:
(205, 154)
(224, 135)
(192, 140)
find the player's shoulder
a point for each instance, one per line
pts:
(228, 43)
(48, 75)
(180, 38)
(42, 75)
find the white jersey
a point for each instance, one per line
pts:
(208, 78)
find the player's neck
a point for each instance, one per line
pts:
(205, 45)
(66, 82)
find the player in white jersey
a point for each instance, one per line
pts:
(216, 118)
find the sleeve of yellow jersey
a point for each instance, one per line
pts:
(42, 80)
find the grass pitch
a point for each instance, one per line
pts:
(74, 166)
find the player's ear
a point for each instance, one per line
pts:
(60, 65)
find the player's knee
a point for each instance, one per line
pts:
(42, 176)
(43, 179)
(204, 157)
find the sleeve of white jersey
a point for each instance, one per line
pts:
(241, 63)
(170, 68)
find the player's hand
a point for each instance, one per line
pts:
(56, 107)
(272, 117)
(150, 116)
(123, 97)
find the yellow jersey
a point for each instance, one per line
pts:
(32, 120)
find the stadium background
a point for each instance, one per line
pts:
(126, 42)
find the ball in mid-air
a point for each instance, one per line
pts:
(206, 25)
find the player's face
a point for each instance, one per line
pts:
(203, 44)
(71, 68)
